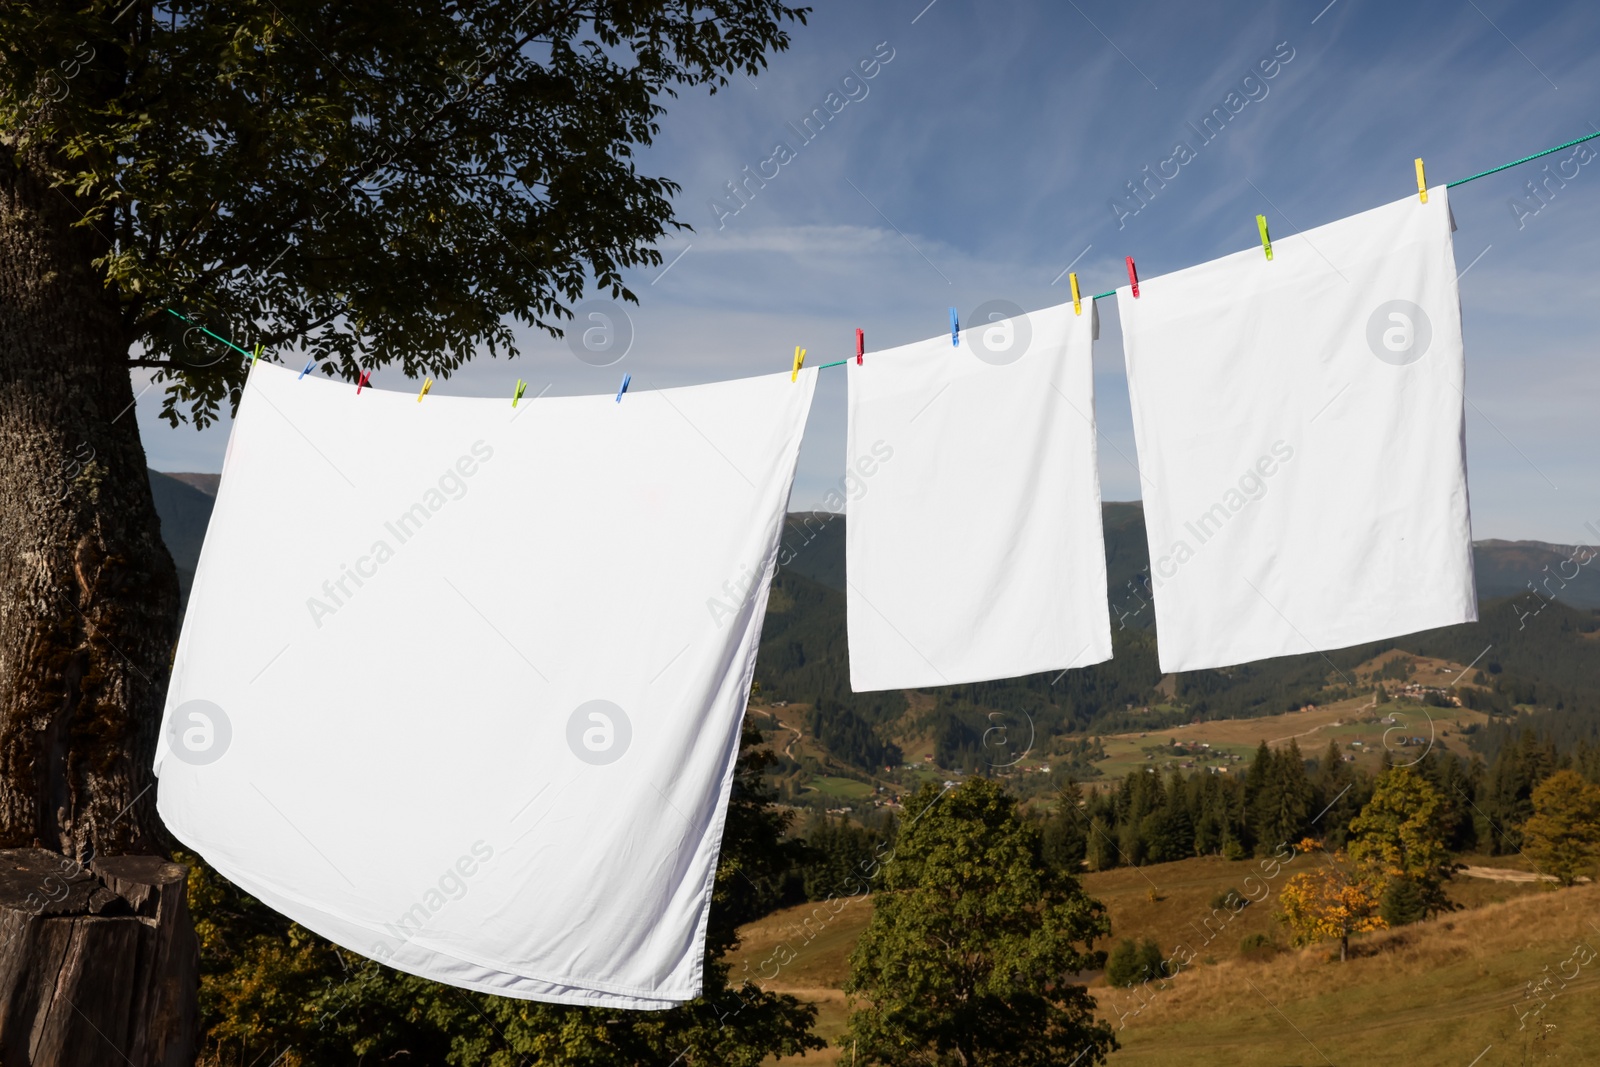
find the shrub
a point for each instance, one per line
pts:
(1258, 947)
(1129, 964)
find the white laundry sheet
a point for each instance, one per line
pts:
(1300, 436)
(460, 684)
(974, 547)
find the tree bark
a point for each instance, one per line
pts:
(88, 593)
(88, 614)
(98, 965)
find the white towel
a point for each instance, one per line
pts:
(974, 546)
(1300, 435)
(480, 672)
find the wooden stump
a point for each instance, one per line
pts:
(99, 965)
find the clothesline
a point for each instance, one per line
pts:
(1098, 296)
(1448, 185)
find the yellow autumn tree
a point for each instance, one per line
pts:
(1326, 904)
(1563, 836)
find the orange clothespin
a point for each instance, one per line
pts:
(799, 358)
(1077, 299)
(1422, 182)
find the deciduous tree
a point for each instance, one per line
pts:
(1327, 904)
(1563, 834)
(360, 184)
(1399, 835)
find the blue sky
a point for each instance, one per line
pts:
(982, 157)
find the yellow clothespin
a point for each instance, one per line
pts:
(799, 358)
(256, 356)
(1422, 182)
(1077, 300)
(521, 387)
(1266, 238)
(425, 387)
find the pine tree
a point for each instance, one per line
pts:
(1402, 903)
(967, 956)
(1066, 833)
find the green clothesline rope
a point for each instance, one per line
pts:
(1450, 185)
(1113, 292)
(1524, 159)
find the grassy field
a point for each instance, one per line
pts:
(844, 788)
(1346, 722)
(1443, 991)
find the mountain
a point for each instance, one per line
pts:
(206, 483)
(1540, 651)
(185, 511)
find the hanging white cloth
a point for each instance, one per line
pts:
(460, 684)
(1301, 441)
(974, 547)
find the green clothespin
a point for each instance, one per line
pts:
(521, 387)
(1266, 239)
(256, 356)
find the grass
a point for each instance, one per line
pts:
(1436, 992)
(844, 788)
(1445, 991)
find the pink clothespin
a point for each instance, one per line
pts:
(861, 347)
(1133, 277)
(366, 379)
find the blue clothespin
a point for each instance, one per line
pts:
(626, 378)
(309, 364)
(955, 329)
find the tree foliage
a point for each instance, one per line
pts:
(1563, 834)
(974, 943)
(1400, 835)
(1327, 904)
(375, 183)
(1129, 963)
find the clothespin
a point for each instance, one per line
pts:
(366, 379)
(309, 364)
(626, 378)
(425, 387)
(521, 387)
(1133, 277)
(1266, 238)
(256, 356)
(799, 358)
(955, 329)
(1077, 298)
(861, 346)
(1422, 182)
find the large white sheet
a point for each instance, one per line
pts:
(1300, 436)
(974, 546)
(382, 718)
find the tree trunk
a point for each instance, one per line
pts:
(88, 593)
(98, 965)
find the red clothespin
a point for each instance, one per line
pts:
(366, 379)
(861, 346)
(1133, 277)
